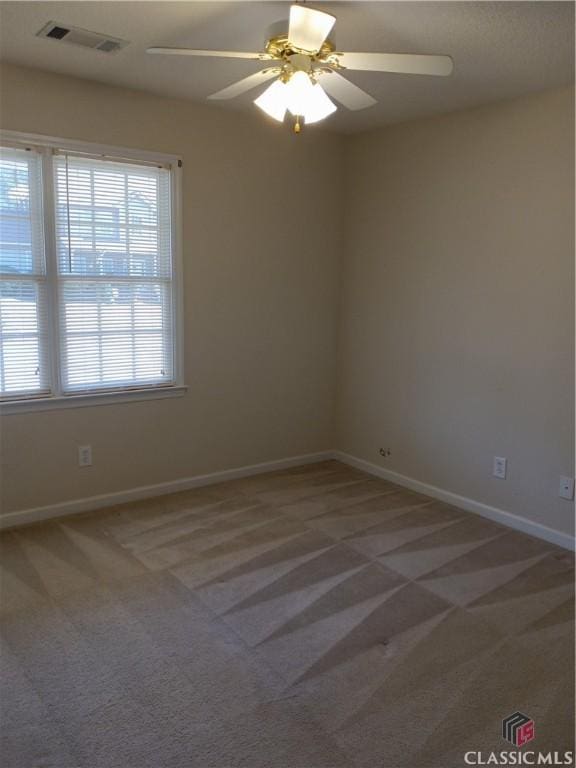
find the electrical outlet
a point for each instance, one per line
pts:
(85, 456)
(566, 489)
(499, 466)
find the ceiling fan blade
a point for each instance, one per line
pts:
(345, 92)
(246, 84)
(403, 63)
(308, 28)
(222, 54)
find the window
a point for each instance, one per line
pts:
(88, 295)
(24, 364)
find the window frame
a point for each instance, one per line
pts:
(57, 399)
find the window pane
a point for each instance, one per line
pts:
(24, 367)
(21, 226)
(24, 364)
(116, 334)
(112, 218)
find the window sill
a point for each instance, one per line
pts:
(10, 407)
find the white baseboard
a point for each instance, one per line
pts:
(27, 516)
(492, 513)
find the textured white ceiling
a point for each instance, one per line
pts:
(500, 49)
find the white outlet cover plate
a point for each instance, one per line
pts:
(85, 456)
(566, 489)
(499, 467)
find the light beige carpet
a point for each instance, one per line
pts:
(307, 618)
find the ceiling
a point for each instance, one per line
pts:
(500, 49)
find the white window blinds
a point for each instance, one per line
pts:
(113, 248)
(24, 348)
(87, 279)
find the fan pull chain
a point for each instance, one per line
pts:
(297, 126)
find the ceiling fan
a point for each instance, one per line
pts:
(306, 67)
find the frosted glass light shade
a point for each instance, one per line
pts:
(274, 100)
(300, 96)
(307, 99)
(319, 107)
(300, 93)
(308, 27)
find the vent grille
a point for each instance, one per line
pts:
(55, 30)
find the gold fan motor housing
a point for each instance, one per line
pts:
(279, 48)
(292, 59)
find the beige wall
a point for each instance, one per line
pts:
(261, 247)
(457, 310)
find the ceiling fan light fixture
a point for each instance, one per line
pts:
(302, 55)
(299, 93)
(308, 99)
(320, 107)
(273, 101)
(309, 28)
(300, 96)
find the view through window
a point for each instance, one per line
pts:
(86, 267)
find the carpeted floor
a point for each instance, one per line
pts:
(307, 618)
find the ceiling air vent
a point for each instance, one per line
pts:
(66, 34)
